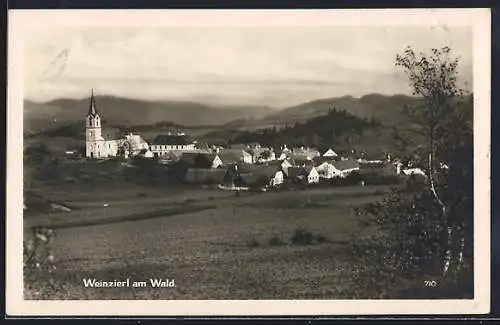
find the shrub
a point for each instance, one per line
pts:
(253, 242)
(302, 237)
(322, 239)
(275, 241)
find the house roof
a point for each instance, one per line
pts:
(321, 159)
(253, 179)
(229, 157)
(204, 175)
(232, 155)
(309, 168)
(192, 158)
(172, 140)
(238, 146)
(345, 164)
(263, 170)
(330, 152)
(296, 171)
(170, 155)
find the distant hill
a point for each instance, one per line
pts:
(385, 109)
(125, 111)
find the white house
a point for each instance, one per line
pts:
(330, 153)
(342, 168)
(133, 144)
(162, 144)
(307, 174)
(413, 171)
(247, 157)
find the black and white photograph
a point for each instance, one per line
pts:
(288, 157)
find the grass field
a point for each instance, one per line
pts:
(240, 248)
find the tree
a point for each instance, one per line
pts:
(426, 227)
(434, 78)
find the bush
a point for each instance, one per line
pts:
(302, 237)
(253, 242)
(275, 241)
(322, 239)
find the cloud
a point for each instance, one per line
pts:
(249, 65)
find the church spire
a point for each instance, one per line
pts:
(92, 108)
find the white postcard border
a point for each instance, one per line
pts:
(21, 22)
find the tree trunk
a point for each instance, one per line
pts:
(448, 253)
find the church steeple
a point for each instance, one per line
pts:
(92, 107)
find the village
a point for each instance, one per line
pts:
(239, 166)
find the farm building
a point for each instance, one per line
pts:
(330, 168)
(165, 143)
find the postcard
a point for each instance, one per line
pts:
(248, 162)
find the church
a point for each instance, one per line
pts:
(109, 143)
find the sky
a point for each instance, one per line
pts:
(276, 66)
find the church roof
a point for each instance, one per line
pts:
(92, 107)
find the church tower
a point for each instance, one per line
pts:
(93, 137)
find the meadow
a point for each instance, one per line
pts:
(239, 247)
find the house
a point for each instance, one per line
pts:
(307, 174)
(201, 160)
(145, 153)
(324, 166)
(285, 153)
(301, 161)
(261, 155)
(273, 174)
(307, 153)
(281, 165)
(414, 171)
(232, 156)
(171, 142)
(169, 158)
(342, 168)
(330, 153)
(204, 175)
(132, 145)
(383, 168)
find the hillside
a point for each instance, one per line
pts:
(328, 130)
(124, 111)
(386, 109)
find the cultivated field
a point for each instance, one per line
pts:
(235, 247)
